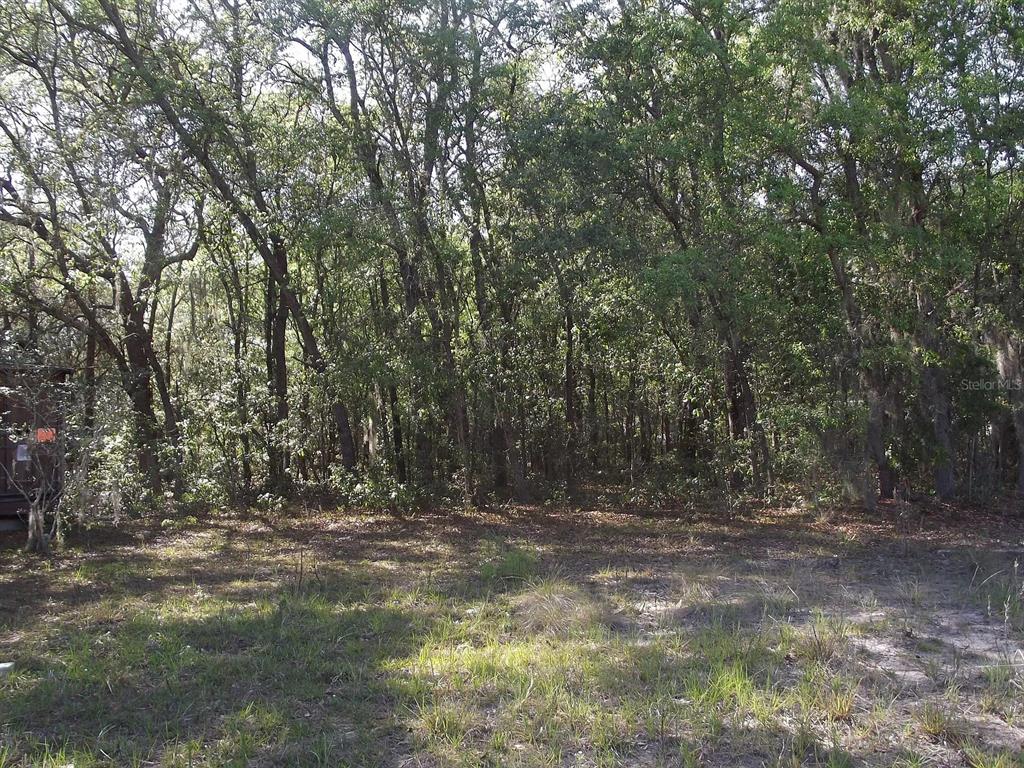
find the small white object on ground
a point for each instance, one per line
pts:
(6, 667)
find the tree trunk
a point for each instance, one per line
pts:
(275, 315)
(1018, 426)
(936, 405)
(147, 434)
(37, 542)
(514, 456)
(593, 428)
(742, 412)
(876, 449)
(935, 399)
(346, 442)
(1010, 362)
(571, 489)
(137, 381)
(397, 442)
(89, 409)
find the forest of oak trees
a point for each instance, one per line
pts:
(480, 249)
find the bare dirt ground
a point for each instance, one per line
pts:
(521, 636)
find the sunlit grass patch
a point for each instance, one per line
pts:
(499, 688)
(978, 757)
(554, 607)
(597, 693)
(566, 695)
(824, 639)
(837, 699)
(506, 564)
(940, 724)
(253, 728)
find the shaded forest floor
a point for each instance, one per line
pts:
(520, 637)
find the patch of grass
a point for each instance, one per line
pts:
(1003, 688)
(200, 650)
(445, 725)
(171, 524)
(506, 564)
(779, 600)
(555, 607)
(941, 725)
(825, 638)
(1000, 676)
(594, 693)
(976, 757)
(230, 683)
(929, 645)
(838, 758)
(838, 700)
(254, 728)
(911, 591)
(1004, 597)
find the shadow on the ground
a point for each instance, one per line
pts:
(295, 678)
(282, 644)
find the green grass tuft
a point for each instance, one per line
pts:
(505, 564)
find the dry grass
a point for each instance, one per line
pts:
(556, 607)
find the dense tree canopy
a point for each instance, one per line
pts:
(486, 248)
